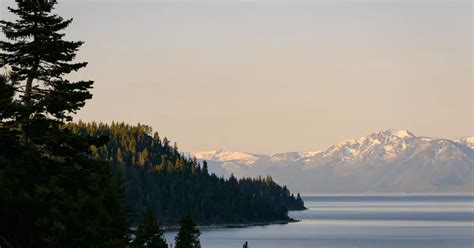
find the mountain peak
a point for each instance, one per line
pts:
(383, 146)
(391, 160)
(398, 133)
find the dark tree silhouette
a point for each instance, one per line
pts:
(52, 192)
(299, 201)
(188, 234)
(149, 233)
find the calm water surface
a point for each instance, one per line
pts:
(375, 221)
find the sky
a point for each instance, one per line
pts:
(274, 76)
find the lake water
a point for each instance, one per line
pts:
(375, 221)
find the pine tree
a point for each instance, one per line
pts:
(188, 235)
(149, 233)
(205, 169)
(7, 109)
(246, 244)
(54, 193)
(299, 200)
(143, 157)
(40, 57)
(119, 157)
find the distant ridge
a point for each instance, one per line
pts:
(391, 160)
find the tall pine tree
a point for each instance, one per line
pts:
(149, 233)
(188, 235)
(53, 193)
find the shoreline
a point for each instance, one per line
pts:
(234, 225)
(389, 194)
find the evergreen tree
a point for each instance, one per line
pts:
(188, 234)
(149, 233)
(299, 200)
(7, 112)
(246, 244)
(54, 193)
(40, 57)
(205, 168)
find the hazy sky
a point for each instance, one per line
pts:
(276, 76)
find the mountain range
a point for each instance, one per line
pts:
(386, 161)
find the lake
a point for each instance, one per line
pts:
(375, 221)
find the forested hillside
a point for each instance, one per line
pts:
(159, 177)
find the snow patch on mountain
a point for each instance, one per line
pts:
(467, 141)
(399, 133)
(226, 156)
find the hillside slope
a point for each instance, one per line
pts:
(159, 177)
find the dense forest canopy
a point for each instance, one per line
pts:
(159, 177)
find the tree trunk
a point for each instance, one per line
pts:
(28, 92)
(27, 102)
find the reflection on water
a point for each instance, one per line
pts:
(362, 221)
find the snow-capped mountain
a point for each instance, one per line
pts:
(387, 161)
(468, 141)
